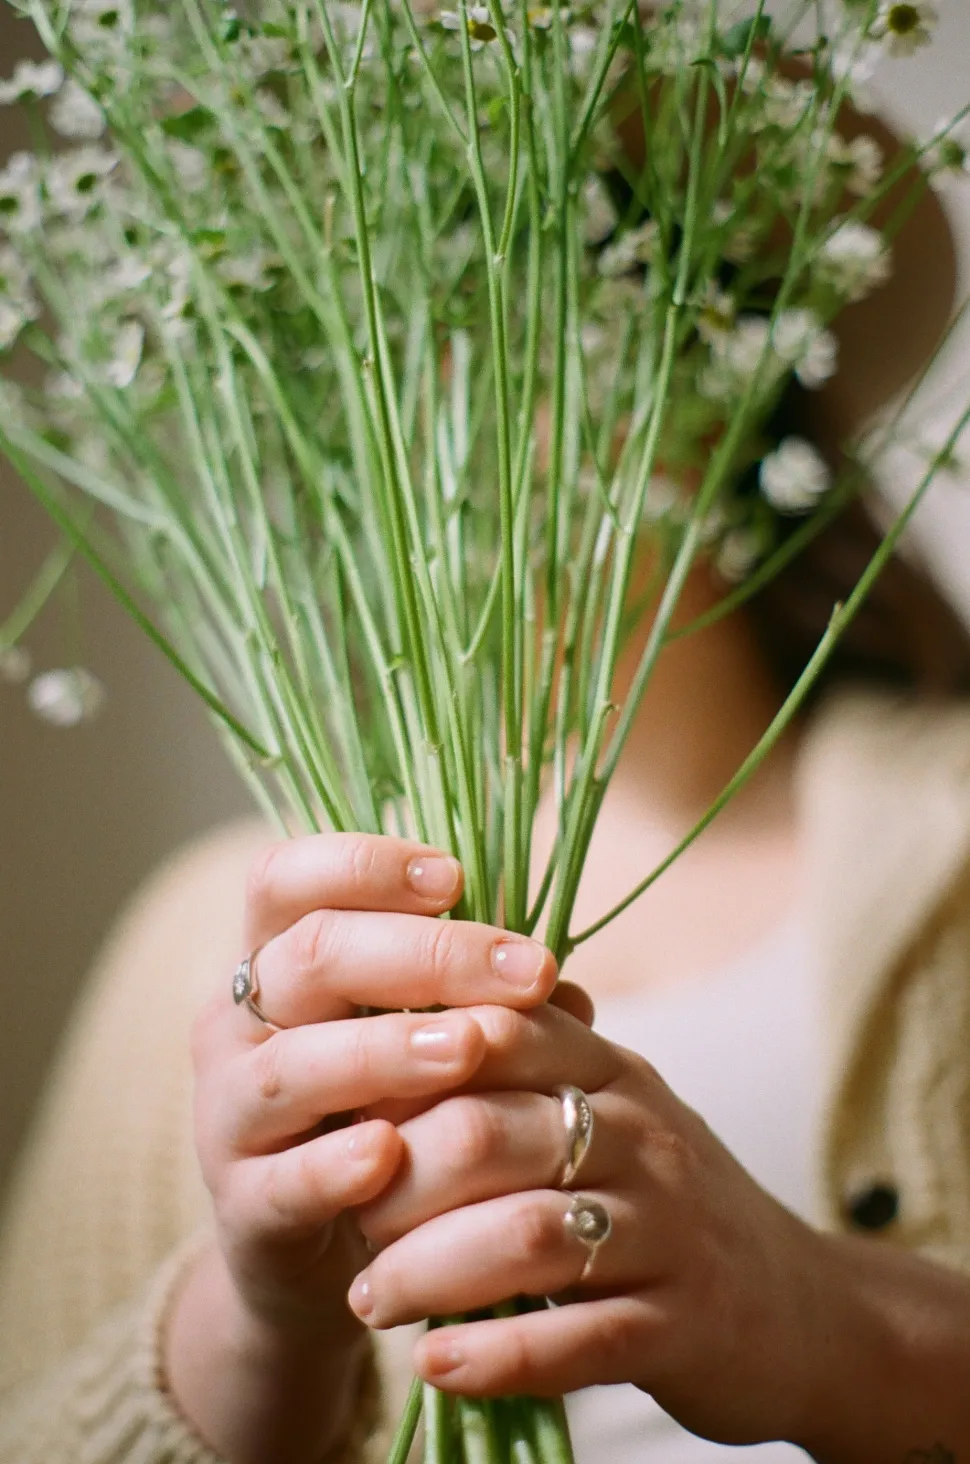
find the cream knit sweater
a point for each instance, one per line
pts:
(107, 1203)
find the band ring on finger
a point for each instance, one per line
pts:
(591, 1223)
(577, 1117)
(245, 990)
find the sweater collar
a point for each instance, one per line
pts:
(883, 786)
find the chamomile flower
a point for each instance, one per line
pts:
(14, 665)
(20, 207)
(480, 27)
(737, 554)
(17, 304)
(903, 26)
(76, 180)
(31, 80)
(946, 155)
(633, 249)
(801, 340)
(75, 113)
(795, 476)
(859, 162)
(128, 345)
(65, 698)
(854, 260)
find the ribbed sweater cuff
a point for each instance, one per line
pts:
(105, 1403)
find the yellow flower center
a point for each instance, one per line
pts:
(903, 19)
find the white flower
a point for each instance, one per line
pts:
(904, 26)
(17, 304)
(735, 357)
(128, 345)
(794, 476)
(14, 665)
(812, 351)
(861, 162)
(31, 80)
(191, 166)
(65, 698)
(854, 260)
(75, 180)
(101, 27)
(636, 247)
(855, 63)
(480, 27)
(786, 102)
(252, 271)
(717, 315)
(599, 215)
(74, 113)
(20, 194)
(946, 153)
(737, 555)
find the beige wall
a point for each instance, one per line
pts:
(84, 814)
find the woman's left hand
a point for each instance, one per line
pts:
(707, 1294)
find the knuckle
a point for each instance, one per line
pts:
(477, 1132)
(262, 875)
(672, 1158)
(360, 858)
(617, 1338)
(311, 942)
(532, 1232)
(440, 952)
(268, 1070)
(504, 1029)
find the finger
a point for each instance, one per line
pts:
(467, 1149)
(481, 1255)
(347, 872)
(333, 961)
(293, 1194)
(575, 1000)
(540, 1049)
(280, 1089)
(543, 1354)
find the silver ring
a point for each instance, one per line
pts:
(589, 1222)
(577, 1117)
(245, 990)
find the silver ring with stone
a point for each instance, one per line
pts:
(577, 1117)
(245, 990)
(590, 1222)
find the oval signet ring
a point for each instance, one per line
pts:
(577, 1117)
(590, 1222)
(245, 990)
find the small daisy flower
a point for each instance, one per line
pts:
(717, 315)
(904, 26)
(14, 665)
(31, 81)
(800, 339)
(76, 180)
(599, 215)
(66, 698)
(480, 27)
(860, 162)
(631, 250)
(947, 154)
(129, 343)
(74, 113)
(786, 102)
(737, 554)
(854, 260)
(795, 476)
(20, 209)
(17, 304)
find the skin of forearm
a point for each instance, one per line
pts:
(258, 1392)
(894, 1381)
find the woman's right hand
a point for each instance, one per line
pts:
(260, 1347)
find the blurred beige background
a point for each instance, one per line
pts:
(85, 814)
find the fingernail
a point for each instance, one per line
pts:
(444, 1358)
(518, 962)
(361, 1298)
(434, 876)
(435, 1042)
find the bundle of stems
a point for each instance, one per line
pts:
(378, 342)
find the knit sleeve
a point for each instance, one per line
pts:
(107, 1403)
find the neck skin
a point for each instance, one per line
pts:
(709, 700)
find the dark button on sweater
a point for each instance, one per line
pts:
(874, 1207)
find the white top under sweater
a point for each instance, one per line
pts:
(743, 1046)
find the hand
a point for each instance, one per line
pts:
(708, 1294)
(340, 922)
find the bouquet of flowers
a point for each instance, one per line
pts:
(378, 340)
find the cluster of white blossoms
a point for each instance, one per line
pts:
(232, 198)
(64, 697)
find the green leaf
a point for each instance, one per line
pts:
(736, 39)
(187, 126)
